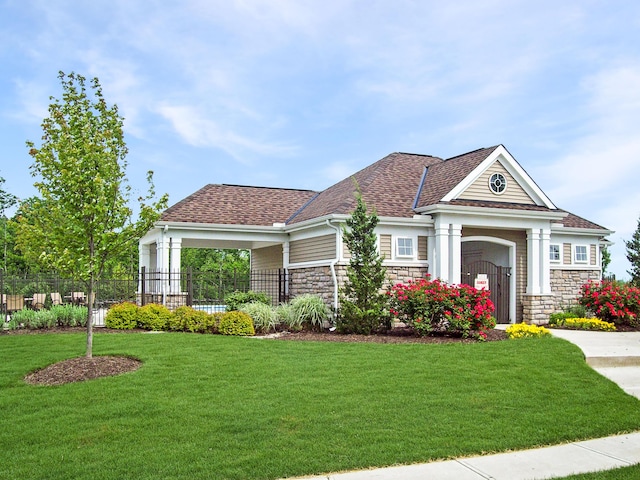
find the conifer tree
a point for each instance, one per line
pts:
(633, 255)
(362, 305)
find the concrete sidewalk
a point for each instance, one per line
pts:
(616, 355)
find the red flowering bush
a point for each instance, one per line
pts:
(612, 302)
(433, 306)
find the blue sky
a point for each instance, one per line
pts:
(302, 93)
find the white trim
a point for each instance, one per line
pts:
(491, 186)
(559, 259)
(495, 212)
(396, 253)
(515, 170)
(574, 254)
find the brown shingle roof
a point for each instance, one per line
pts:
(390, 185)
(238, 205)
(443, 177)
(574, 221)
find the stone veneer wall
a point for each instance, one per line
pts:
(537, 308)
(565, 285)
(565, 288)
(318, 280)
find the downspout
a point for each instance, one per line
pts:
(332, 266)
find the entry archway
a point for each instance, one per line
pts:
(496, 258)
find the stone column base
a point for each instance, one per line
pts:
(537, 308)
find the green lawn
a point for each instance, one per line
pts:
(208, 406)
(625, 473)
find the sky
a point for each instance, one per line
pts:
(304, 93)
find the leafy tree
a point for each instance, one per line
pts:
(606, 259)
(223, 261)
(83, 217)
(633, 255)
(362, 305)
(7, 200)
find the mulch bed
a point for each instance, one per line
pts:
(397, 335)
(82, 368)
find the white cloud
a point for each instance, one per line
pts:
(198, 130)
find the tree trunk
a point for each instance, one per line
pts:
(89, 353)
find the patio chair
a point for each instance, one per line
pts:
(78, 298)
(56, 299)
(38, 301)
(15, 303)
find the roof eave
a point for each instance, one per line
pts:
(490, 211)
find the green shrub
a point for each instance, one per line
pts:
(310, 310)
(586, 324)
(235, 300)
(264, 316)
(523, 330)
(24, 318)
(287, 317)
(236, 323)
(123, 316)
(188, 319)
(558, 317)
(612, 302)
(153, 317)
(433, 306)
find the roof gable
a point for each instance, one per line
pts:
(442, 177)
(238, 205)
(480, 189)
(516, 172)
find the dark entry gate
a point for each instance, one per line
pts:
(498, 277)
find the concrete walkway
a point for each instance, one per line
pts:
(614, 355)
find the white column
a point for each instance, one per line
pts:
(162, 263)
(533, 261)
(545, 264)
(442, 252)
(174, 265)
(455, 253)
(144, 260)
(431, 252)
(285, 254)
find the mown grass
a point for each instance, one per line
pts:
(624, 473)
(207, 406)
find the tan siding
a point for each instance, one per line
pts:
(422, 248)
(593, 259)
(566, 254)
(267, 258)
(385, 246)
(346, 253)
(479, 190)
(313, 249)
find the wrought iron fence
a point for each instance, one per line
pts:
(205, 290)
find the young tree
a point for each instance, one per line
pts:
(7, 200)
(633, 255)
(83, 217)
(606, 260)
(362, 305)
